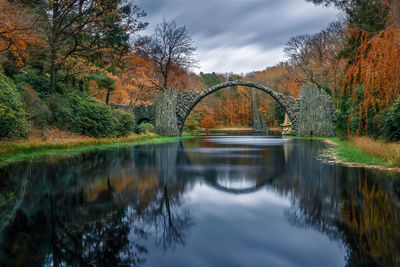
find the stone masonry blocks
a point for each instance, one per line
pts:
(311, 114)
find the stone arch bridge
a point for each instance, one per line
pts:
(312, 114)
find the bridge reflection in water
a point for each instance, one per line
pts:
(120, 207)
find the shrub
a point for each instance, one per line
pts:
(125, 122)
(144, 127)
(31, 78)
(82, 114)
(191, 124)
(390, 130)
(148, 127)
(37, 81)
(37, 111)
(13, 123)
(63, 112)
(139, 129)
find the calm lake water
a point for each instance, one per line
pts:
(206, 201)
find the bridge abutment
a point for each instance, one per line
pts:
(316, 116)
(166, 123)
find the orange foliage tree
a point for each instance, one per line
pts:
(313, 58)
(17, 32)
(377, 69)
(136, 81)
(279, 78)
(207, 123)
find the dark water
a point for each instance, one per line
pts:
(211, 201)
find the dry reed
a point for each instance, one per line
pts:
(379, 149)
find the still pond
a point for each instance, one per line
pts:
(205, 201)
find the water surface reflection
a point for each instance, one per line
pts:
(211, 201)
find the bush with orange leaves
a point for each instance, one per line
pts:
(207, 123)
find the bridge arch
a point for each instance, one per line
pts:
(143, 120)
(312, 114)
(144, 113)
(188, 100)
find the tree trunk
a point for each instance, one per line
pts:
(108, 96)
(53, 46)
(53, 73)
(131, 101)
(81, 86)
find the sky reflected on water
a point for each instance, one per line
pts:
(206, 201)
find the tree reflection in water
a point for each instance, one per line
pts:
(359, 207)
(101, 208)
(167, 220)
(87, 217)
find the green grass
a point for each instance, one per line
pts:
(16, 152)
(346, 152)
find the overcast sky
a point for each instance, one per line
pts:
(239, 36)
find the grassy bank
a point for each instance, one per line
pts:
(346, 152)
(389, 153)
(362, 151)
(11, 152)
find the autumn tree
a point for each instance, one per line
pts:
(171, 48)
(137, 79)
(370, 83)
(88, 29)
(17, 30)
(279, 77)
(373, 80)
(103, 82)
(207, 123)
(313, 58)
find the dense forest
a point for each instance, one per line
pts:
(64, 63)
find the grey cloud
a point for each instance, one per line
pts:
(265, 24)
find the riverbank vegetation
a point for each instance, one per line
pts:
(365, 151)
(361, 151)
(60, 143)
(53, 54)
